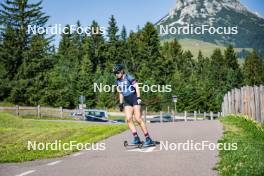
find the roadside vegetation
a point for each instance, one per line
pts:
(248, 159)
(15, 132)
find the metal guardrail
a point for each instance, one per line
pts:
(184, 116)
(60, 112)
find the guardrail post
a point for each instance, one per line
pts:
(61, 112)
(161, 118)
(17, 110)
(185, 116)
(145, 118)
(195, 115)
(174, 116)
(38, 110)
(211, 115)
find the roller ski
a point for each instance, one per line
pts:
(135, 143)
(149, 143)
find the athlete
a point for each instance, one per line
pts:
(129, 99)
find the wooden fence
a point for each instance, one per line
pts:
(247, 100)
(39, 111)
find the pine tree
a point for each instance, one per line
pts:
(253, 69)
(234, 73)
(32, 74)
(187, 64)
(62, 89)
(150, 58)
(124, 33)
(133, 53)
(78, 39)
(218, 77)
(4, 83)
(105, 99)
(86, 75)
(171, 52)
(97, 47)
(200, 63)
(218, 70)
(112, 30)
(16, 16)
(9, 54)
(24, 54)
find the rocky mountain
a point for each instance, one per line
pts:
(216, 21)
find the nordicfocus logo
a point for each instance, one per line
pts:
(190, 145)
(143, 87)
(58, 145)
(198, 30)
(58, 29)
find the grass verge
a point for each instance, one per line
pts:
(15, 133)
(116, 117)
(47, 117)
(248, 159)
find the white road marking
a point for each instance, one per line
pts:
(148, 149)
(26, 173)
(77, 154)
(53, 163)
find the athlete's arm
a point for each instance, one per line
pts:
(137, 89)
(121, 100)
(121, 97)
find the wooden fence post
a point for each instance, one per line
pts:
(246, 100)
(38, 111)
(61, 112)
(257, 103)
(261, 92)
(229, 102)
(17, 110)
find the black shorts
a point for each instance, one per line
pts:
(130, 100)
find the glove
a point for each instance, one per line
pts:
(121, 107)
(139, 101)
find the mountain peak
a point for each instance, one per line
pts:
(204, 8)
(218, 14)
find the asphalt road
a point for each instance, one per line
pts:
(117, 160)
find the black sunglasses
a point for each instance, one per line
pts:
(117, 72)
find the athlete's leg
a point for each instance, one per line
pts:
(129, 118)
(137, 114)
(142, 124)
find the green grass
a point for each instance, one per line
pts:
(116, 117)
(207, 48)
(4, 104)
(47, 117)
(248, 159)
(15, 133)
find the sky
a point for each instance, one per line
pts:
(130, 13)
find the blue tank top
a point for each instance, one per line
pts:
(126, 85)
